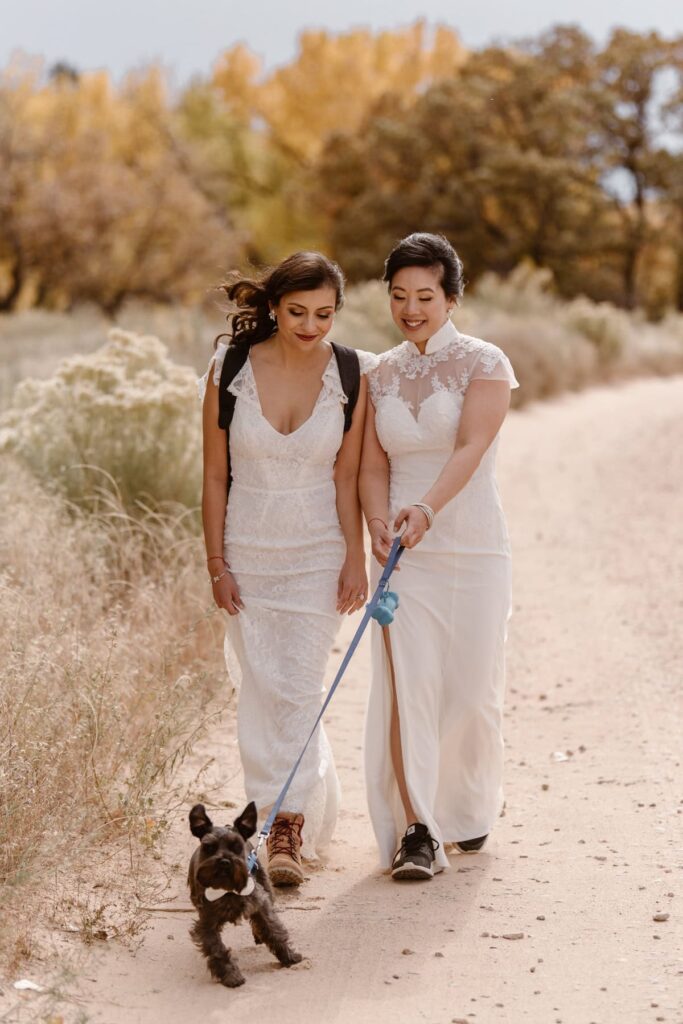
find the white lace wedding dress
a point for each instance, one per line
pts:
(285, 546)
(447, 639)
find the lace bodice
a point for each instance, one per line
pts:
(450, 362)
(418, 400)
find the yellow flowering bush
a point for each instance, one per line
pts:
(124, 417)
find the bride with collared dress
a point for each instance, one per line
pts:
(433, 744)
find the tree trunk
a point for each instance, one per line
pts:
(8, 300)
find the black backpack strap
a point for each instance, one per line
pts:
(235, 358)
(348, 364)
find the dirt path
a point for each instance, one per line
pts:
(590, 845)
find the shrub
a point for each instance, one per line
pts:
(364, 321)
(605, 326)
(126, 410)
(528, 289)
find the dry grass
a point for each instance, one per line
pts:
(105, 683)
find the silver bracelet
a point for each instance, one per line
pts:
(428, 511)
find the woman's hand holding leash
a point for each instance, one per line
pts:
(417, 520)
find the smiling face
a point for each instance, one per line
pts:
(419, 305)
(304, 318)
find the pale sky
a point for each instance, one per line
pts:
(187, 36)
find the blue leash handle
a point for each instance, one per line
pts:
(392, 560)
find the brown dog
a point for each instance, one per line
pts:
(223, 891)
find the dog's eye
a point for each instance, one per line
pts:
(209, 844)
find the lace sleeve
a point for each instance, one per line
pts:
(491, 363)
(374, 385)
(368, 361)
(214, 368)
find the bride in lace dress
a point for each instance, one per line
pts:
(434, 747)
(284, 546)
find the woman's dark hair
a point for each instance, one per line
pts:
(422, 249)
(255, 297)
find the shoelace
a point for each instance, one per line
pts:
(283, 838)
(413, 842)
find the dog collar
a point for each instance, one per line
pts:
(215, 894)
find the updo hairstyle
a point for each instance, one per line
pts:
(422, 249)
(251, 323)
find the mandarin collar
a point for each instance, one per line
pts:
(443, 336)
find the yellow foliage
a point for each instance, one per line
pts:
(335, 80)
(100, 200)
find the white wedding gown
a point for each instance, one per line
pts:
(447, 639)
(285, 546)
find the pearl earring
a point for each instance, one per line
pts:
(272, 316)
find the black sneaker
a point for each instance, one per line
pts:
(415, 858)
(472, 845)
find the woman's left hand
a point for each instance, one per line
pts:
(415, 525)
(352, 589)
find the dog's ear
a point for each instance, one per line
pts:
(246, 823)
(200, 822)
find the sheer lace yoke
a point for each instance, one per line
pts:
(451, 362)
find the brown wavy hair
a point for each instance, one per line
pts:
(254, 297)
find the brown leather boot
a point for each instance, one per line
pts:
(284, 849)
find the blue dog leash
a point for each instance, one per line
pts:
(381, 607)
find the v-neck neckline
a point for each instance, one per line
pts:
(315, 404)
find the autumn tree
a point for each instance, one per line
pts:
(334, 80)
(636, 104)
(552, 150)
(96, 203)
(492, 156)
(509, 157)
(329, 87)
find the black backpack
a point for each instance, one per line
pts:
(236, 356)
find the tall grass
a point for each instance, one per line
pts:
(110, 654)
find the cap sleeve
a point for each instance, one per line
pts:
(491, 363)
(214, 368)
(368, 360)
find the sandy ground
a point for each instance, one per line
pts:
(589, 848)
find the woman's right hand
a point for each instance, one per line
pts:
(226, 593)
(381, 539)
